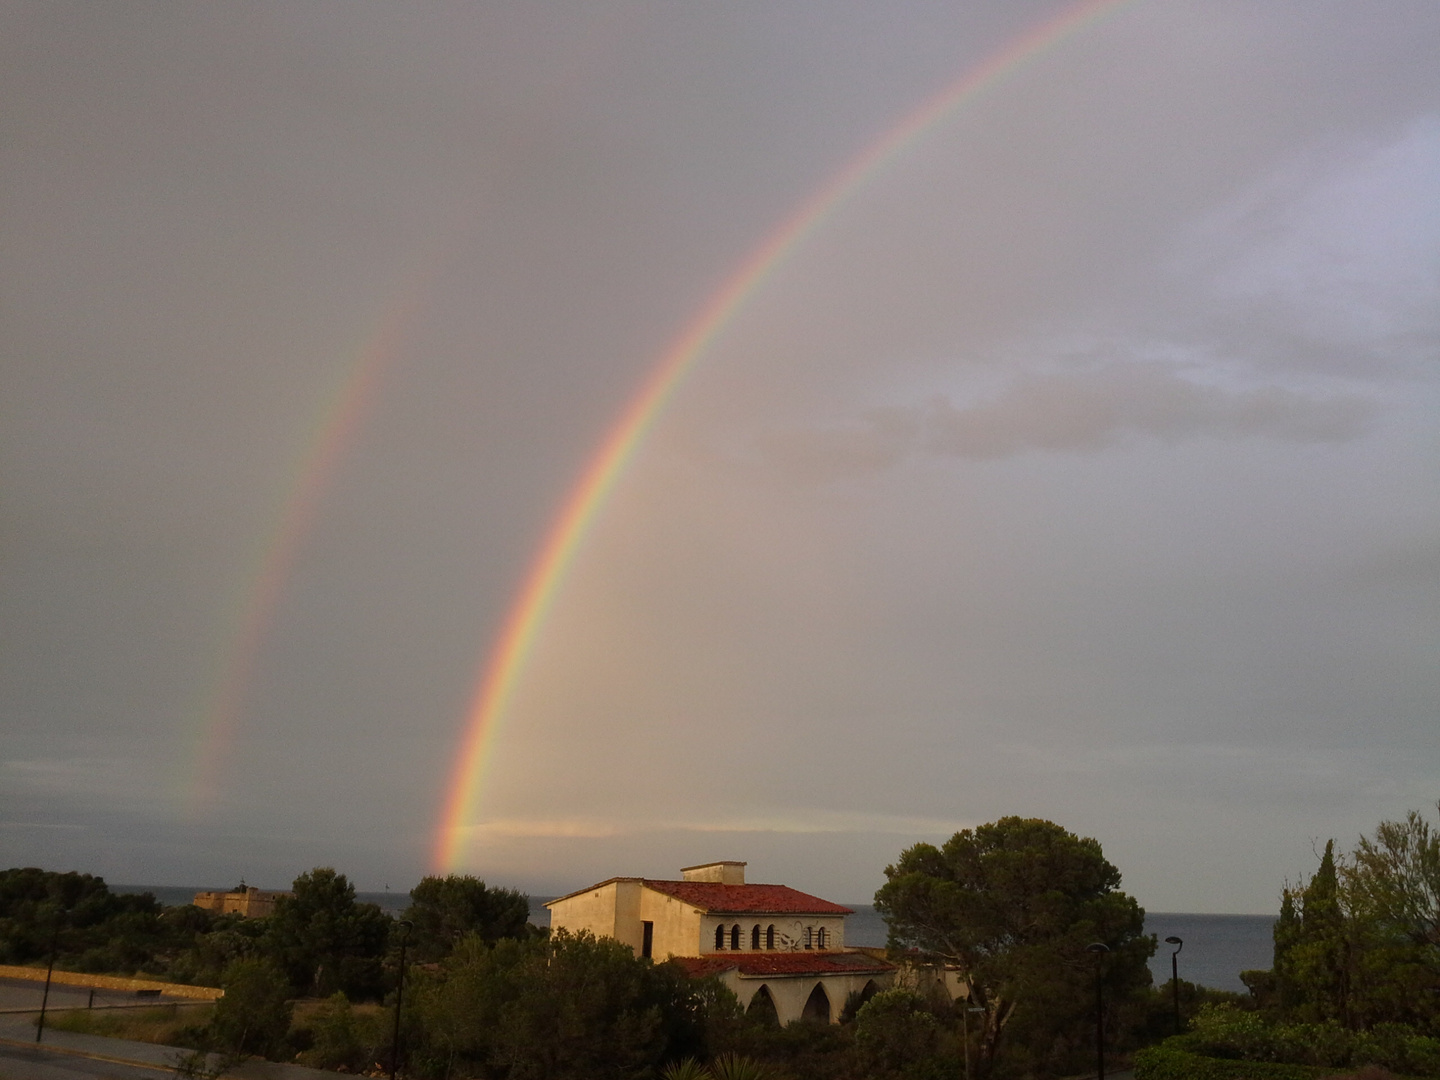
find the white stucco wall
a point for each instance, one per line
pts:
(789, 931)
(790, 993)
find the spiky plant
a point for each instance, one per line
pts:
(685, 1069)
(739, 1067)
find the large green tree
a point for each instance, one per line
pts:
(571, 1006)
(445, 909)
(1014, 904)
(325, 941)
(1358, 944)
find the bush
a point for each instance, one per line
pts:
(1227, 1033)
(254, 1015)
(895, 1033)
(342, 1037)
(1168, 1063)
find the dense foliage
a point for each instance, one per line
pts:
(1014, 904)
(1356, 977)
(91, 928)
(566, 1006)
(443, 910)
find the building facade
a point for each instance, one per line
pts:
(774, 946)
(251, 903)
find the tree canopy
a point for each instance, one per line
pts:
(324, 940)
(444, 909)
(1013, 904)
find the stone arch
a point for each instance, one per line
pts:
(817, 1005)
(762, 1008)
(719, 938)
(856, 999)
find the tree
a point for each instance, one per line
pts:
(1013, 904)
(254, 1015)
(1318, 953)
(444, 910)
(1390, 888)
(896, 1035)
(570, 1006)
(1396, 878)
(325, 941)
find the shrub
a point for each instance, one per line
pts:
(254, 1015)
(1168, 1063)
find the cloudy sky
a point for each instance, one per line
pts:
(1081, 463)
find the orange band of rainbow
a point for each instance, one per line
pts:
(506, 661)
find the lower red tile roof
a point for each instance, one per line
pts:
(760, 965)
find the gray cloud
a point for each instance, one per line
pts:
(1072, 412)
(1086, 411)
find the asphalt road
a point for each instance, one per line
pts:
(44, 1063)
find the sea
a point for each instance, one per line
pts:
(1216, 947)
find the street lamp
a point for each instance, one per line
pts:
(49, 971)
(1099, 949)
(405, 927)
(965, 1028)
(1175, 976)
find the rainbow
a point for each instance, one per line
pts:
(506, 661)
(342, 412)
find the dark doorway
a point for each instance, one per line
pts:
(647, 940)
(817, 1006)
(762, 1008)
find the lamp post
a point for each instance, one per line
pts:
(1099, 949)
(1175, 977)
(965, 1029)
(45, 997)
(405, 927)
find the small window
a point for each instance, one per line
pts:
(770, 936)
(735, 936)
(647, 940)
(719, 938)
(755, 937)
(820, 937)
(809, 938)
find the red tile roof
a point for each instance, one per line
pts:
(760, 965)
(729, 899)
(750, 899)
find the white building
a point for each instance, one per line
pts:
(774, 946)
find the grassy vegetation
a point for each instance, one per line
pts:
(168, 1025)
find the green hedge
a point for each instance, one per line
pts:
(1164, 1063)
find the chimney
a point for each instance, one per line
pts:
(728, 872)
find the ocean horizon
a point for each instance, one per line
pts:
(1217, 947)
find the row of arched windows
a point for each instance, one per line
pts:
(813, 938)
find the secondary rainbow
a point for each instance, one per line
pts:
(526, 616)
(333, 429)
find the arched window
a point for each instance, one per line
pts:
(809, 938)
(735, 936)
(719, 938)
(770, 936)
(820, 936)
(755, 937)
